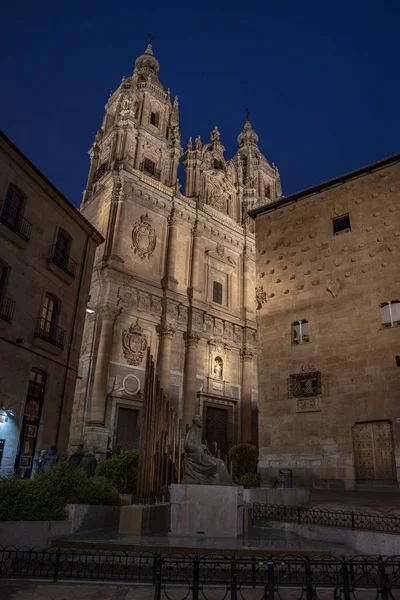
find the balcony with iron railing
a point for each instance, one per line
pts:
(12, 219)
(62, 259)
(6, 308)
(150, 170)
(49, 332)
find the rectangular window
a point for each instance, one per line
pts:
(217, 292)
(300, 333)
(49, 314)
(390, 313)
(12, 207)
(154, 119)
(341, 224)
(62, 248)
(149, 166)
(305, 384)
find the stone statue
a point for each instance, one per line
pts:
(189, 145)
(218, 368)
(199, 466)
(197, 143)
(215, 134)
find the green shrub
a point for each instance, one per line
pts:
(244, 458)
(121, 470)
(45, 497)
(249, 480)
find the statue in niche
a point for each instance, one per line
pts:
(218, 367)
(199, 466)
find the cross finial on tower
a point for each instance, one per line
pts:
(248, 113)
(151, 38)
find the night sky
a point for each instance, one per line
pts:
(321, 79)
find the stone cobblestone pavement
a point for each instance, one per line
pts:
(23, 590)
(365, 502)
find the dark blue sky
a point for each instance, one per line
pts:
(321, 79)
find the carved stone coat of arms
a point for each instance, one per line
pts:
(144, 237)
(134, 343)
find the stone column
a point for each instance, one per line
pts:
(246, 402)
(108, 315)
(166, 334)
(119, 228)
(248, 282)
(196, 258)
(170, 280)
(189, 385)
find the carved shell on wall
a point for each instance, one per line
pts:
(144, 237)
(134, 344)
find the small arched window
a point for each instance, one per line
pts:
(154, 118)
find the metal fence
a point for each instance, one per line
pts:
(216, 577)
(321, 516)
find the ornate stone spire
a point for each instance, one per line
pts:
(248, 136)
(146, 64)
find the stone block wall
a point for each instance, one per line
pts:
(337, 284)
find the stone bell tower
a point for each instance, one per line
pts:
(176, 273)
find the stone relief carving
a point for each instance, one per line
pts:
(261, 296)
(208, 323)
(228, 330)
(171, 311)
(134, 344)
(144, 301)
(197, 319)
(183, 315)
(218, 327)
(220, 250)
(144, 237)
(237, 333)
(156, 306)
(333, 287)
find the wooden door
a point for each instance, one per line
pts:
(217, 428)
(374, 451)
(127, 437)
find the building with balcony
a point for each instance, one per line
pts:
(47, 250)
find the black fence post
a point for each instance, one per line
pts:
(57, 564)
(253, 572)
(309, 580)
(157, 591)
(299, 515)
(345, 579)
(270, 587)
(352, 521)
(233, 579)
(383, 580)
(196, 574)
(154, 569)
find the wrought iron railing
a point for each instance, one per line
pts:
(49, 332)
(213, 576)
(332, 518)
(62, 260)
(14, 221)
(6, 308)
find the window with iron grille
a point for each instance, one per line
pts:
(390, 313)
(300, 332)
(217, 292)
(305, 384)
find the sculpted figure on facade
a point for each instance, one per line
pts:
(199, 466)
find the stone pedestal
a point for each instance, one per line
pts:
(206, 510)
(144, 519)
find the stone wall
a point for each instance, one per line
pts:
(337, 284)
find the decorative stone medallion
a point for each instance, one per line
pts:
(144, 237)
(134, 343)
